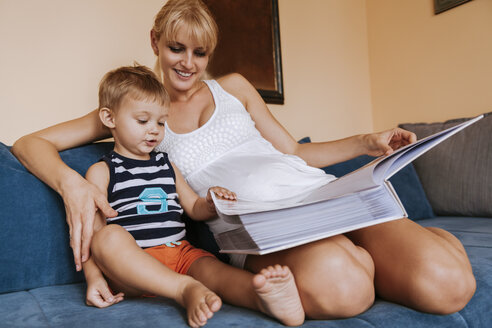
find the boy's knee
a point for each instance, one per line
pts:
(107, 237)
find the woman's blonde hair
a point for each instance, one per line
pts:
(191, 14)
(138, 82)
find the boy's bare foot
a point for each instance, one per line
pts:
(200, 303)
(279, 298)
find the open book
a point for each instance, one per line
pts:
(359, 199)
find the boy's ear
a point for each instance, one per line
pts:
(107, 117)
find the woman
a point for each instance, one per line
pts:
(423, 268)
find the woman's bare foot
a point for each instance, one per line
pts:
(200, 303)
(278, 295)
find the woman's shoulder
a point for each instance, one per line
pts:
(237, 85)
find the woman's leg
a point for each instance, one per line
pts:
(334, 277)
(131, 270)
(423, 268)
(272, 291)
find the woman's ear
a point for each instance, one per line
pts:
(106, 116)
(153, 42)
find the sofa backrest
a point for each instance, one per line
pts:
(457, 174)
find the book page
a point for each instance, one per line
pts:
(241, 206)
(413, 151)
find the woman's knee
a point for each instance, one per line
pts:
(447, 277)
(335, 281)
(443, 288)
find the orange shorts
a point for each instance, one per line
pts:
(178, 257)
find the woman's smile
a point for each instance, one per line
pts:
(183, 73)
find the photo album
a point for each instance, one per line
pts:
(356, 200)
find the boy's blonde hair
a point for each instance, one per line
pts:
(190, 14)
(138, 82)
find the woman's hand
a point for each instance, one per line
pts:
(221, 193)
(99, 295)
(82, 199)
(386, 142)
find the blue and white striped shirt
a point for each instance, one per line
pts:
(144, 194)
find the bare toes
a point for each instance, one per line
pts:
(214, 303)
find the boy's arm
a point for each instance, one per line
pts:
(198, 208)
(98, 292)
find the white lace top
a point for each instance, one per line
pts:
(228, 151)
(229, 126)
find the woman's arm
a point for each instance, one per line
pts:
(38, 152)
(316, 154)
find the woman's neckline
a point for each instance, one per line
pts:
(216, 107)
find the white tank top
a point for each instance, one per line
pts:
(228, 151)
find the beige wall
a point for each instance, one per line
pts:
(54, 52)
(349, 65)
(326, 68)
(427, 67)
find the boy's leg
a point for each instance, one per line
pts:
(134, 272)
(423, 268)
(335, 278)
(272, 291)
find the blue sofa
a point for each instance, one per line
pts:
(39, 287)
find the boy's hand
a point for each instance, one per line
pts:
(99, 295)
(221, 193)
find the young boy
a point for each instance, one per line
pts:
(142, 250)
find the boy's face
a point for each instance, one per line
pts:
(138, 127)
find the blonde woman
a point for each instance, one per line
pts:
(215, 128)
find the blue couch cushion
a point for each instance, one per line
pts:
(406, 183)
(41, 307)
(35, 248)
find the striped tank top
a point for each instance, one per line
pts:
(143, 192)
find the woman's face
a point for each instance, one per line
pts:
(183, 61)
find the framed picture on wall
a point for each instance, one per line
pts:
(249, 44)
(443, 5)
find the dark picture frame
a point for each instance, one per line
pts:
(443, 5)
(249, 44)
